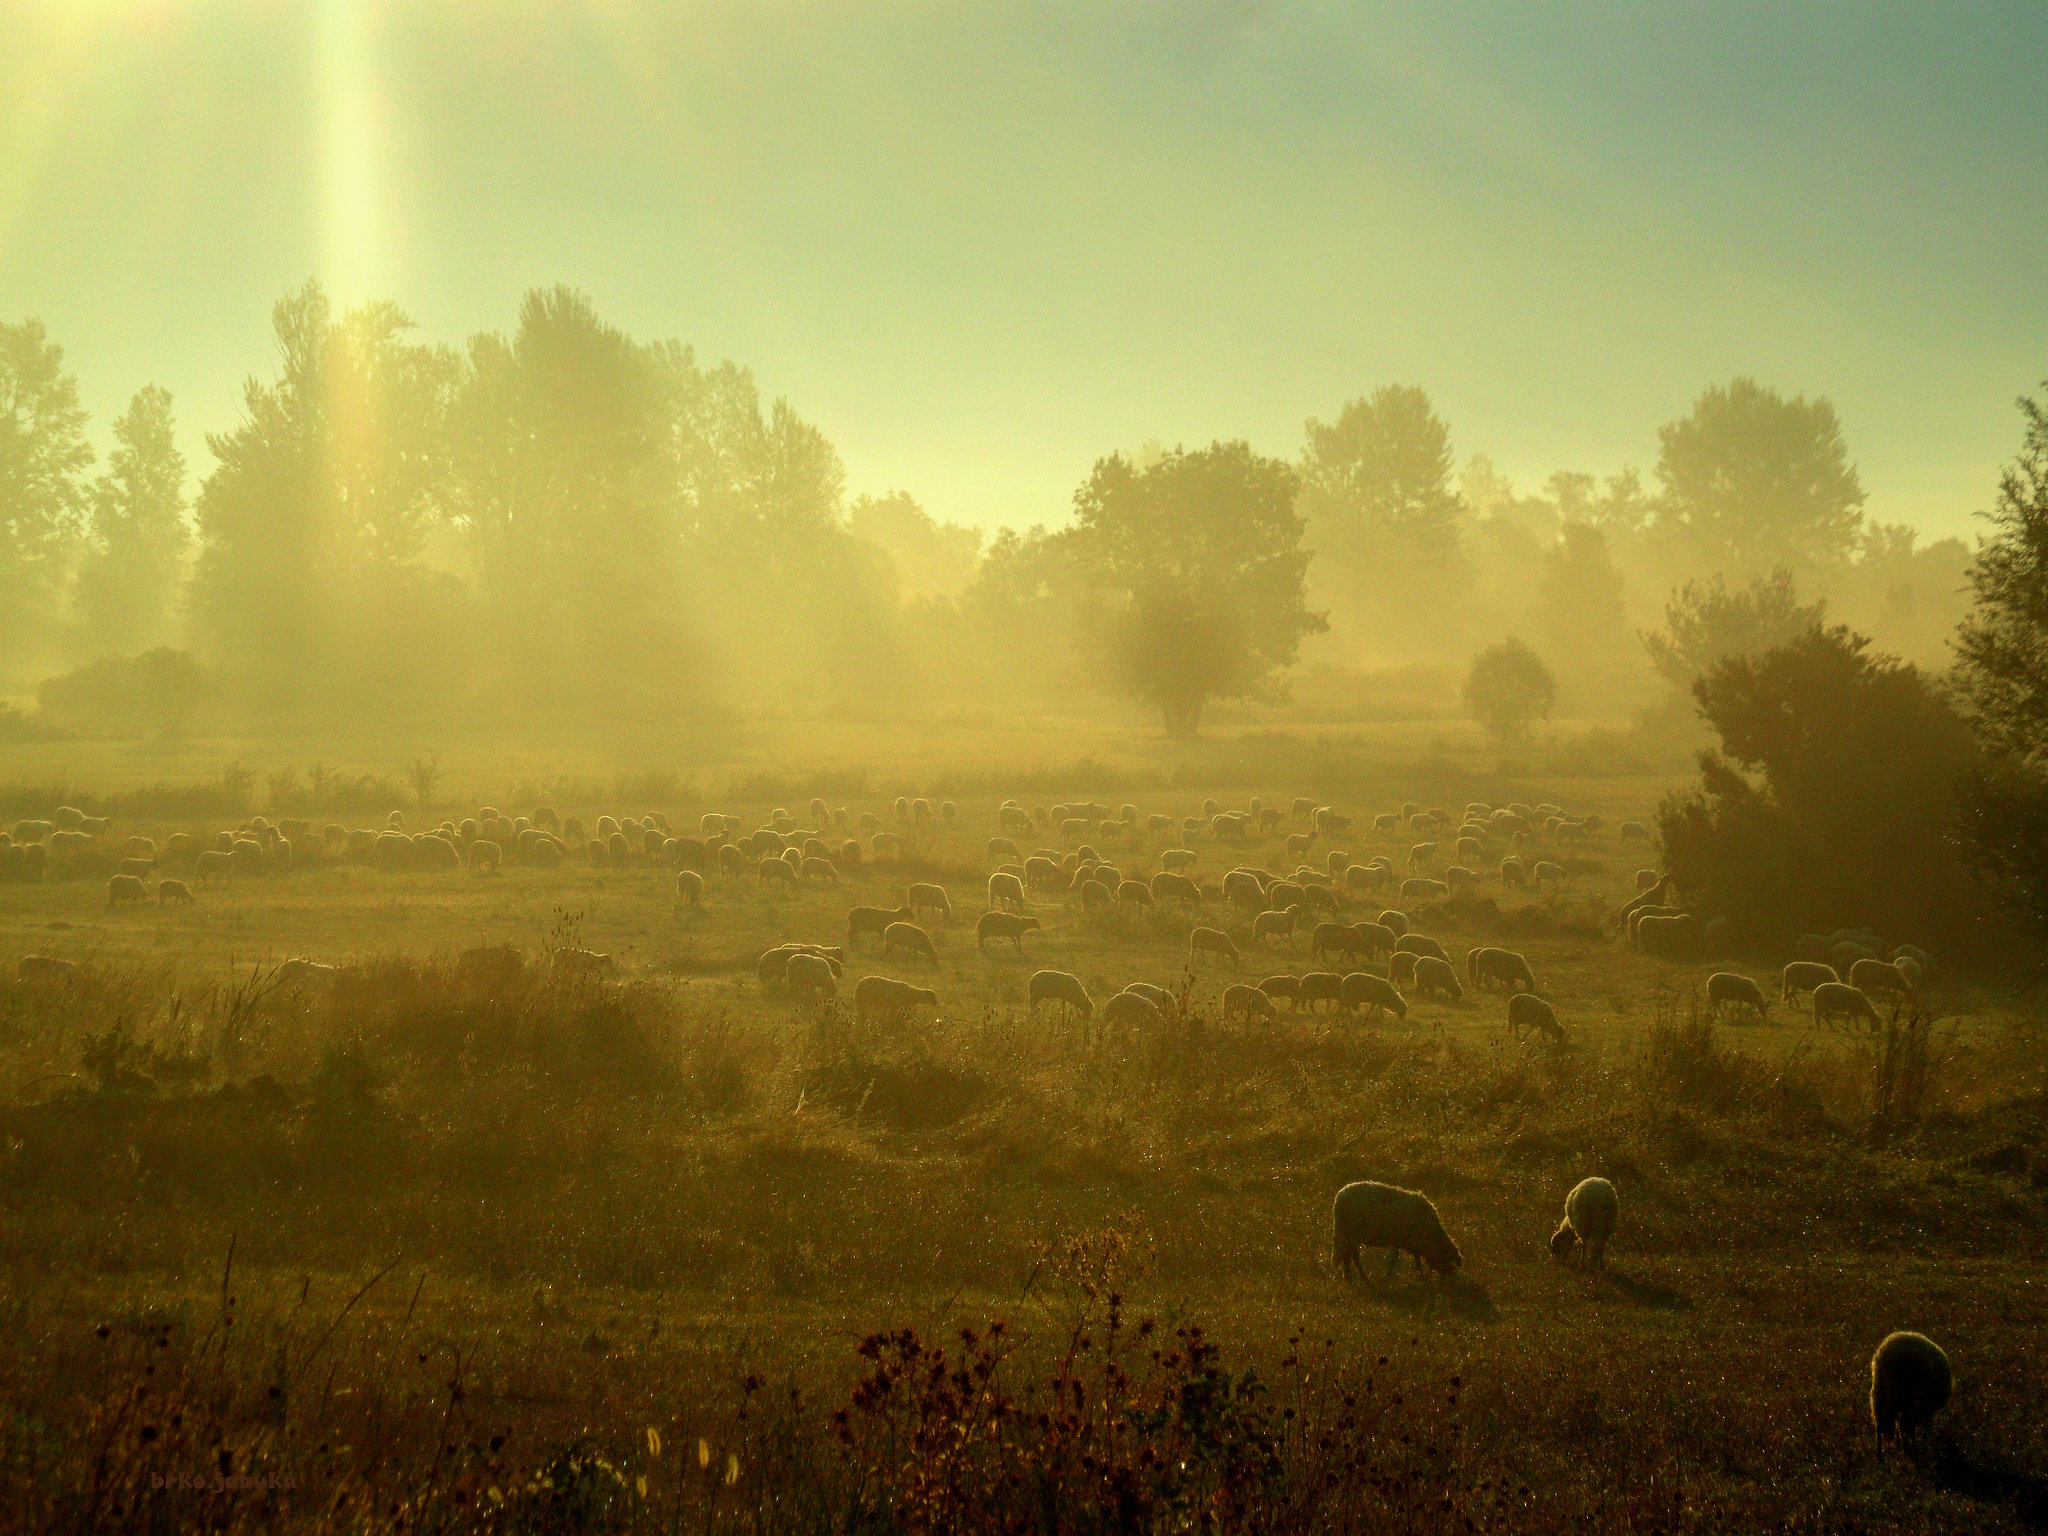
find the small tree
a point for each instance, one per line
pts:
(2002, 676)
(425, 774)
(1508, 689)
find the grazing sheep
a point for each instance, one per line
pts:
(876, 995)
(1289, 987)
(875, 920)
(1667, 936)
(773, 965)
(1421, 855)
(213, 862)
(1513, 874)
(173, 890)
(1529, 1013)
(1911, 970)
(820, 869)
(1059, 987)
(1838, 1000)
(774, 871)
(1342, 939)
(1874, 976)
(1435, 978)
(1362, 989)
(689, 886)
(1369, 1215)
(1395, 923)
(908, 936)
(1167, 886)
(932, 898)
(1177, 859)
(1248, 1001)
(1845, 953)
(1001, 849)
(1910, 1381)
(1634, 832)
(1422, 944)
(1914, 953)
(1489, 967)
(1005, 890)
(1646, 879)
(1268, 924)
(1423, 890)
(1401, 967)
(1322, 987)
(483, 856)
(1213, 941)
(807, 978)
(1131, 1010)
(1725, 987)
(1590, 1212)
(1003, 925)
(45, 968)
(1547, 872)
(1133, 893)
(122, 888)
(1805, 976)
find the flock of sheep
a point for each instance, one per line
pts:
(1909, 1374)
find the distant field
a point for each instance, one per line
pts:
(612, 1201)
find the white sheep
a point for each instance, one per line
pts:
(1590, 1212)
(1725, 987)
(689, 886)
(808, 977)
(1371, 1215)
(1528, 1013)
(1838, 1000)
(873, 995)
(1435, 978)
(1059, 987)
(1375, 994)
(1804, 976)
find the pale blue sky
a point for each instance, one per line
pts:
(981, 244)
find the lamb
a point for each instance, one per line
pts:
(45, 968)
(1725, 987)
(1590, 1212)
(1003, 925)
(1528, 1013)
(122, 888)
(1435, 978)
(1837, 1000)
(1910, 1382)
(1252, 1002)
(1005, 891)
(1289, 987)
(911, 937)
(689, 886)
(873, 995)
(1873, 976)
(809, 977)
(1210, 941)
(1487, 966)
(1370, 1215)
(1059, 987)
(1362, 989)
(173, 890)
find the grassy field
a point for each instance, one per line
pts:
(458, 1240)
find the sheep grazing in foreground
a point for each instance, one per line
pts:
(809, 977)
(1059, 987)
(1370, 1215)
(1322, 987)
(1401, 967)
(1131, 1010)
(1395, 923)
(213, 862)
(931, 898)
(1435, 978)
(1422, 944)
(1805, 976)
(44, 968)
(173, 890)
(1910, 1381)
(1005, 890)
(1251, 1002)
(1838, 1000)
(1375, 994)
(1528, 1013)
(1875, 976)
(1271, 924)
(1167, 886)
(1590, 1212)
(1003, 925)
(874, 996)
(1339, 939)
(689, 886)
(1289, 987)
(1725, 988)
(910, 937)
(1489, 967)
(122, 888)
(1211, 941)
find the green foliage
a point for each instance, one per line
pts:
(43, 452)
(1706, 624)
(1581, 607)
(1508, 689)
(157, 691)
(1197, 558)
(1752, 480)
(1831, 801)
(2002, 675)
(133, 568)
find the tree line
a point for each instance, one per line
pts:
(568, 523)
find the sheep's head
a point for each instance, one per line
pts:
(1563, 1241)
(1027, 923)
(1443, 1256)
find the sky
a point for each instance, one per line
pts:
(982, 244)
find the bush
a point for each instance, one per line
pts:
(1508, 688)
(157, 690)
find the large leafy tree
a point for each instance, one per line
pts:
(1198, 562)
(2002, 674)
(1831, 800)
(1753, 480)
(133, 566)
(43, 454)
(1581, 604)
(1706, 623)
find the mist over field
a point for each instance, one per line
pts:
(993, 768)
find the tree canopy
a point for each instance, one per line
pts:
(1508, 689)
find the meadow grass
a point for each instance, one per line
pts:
(441, 1240)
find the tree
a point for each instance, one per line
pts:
(1580, 605)
(931, 558)
(1753, 481)
(2002, 676)
(1198, 563)
(1831, 801)
(136, 544)
(117, 694)
(1508, 689)
(1706, 624)
(1377, 497)
(43, 452)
